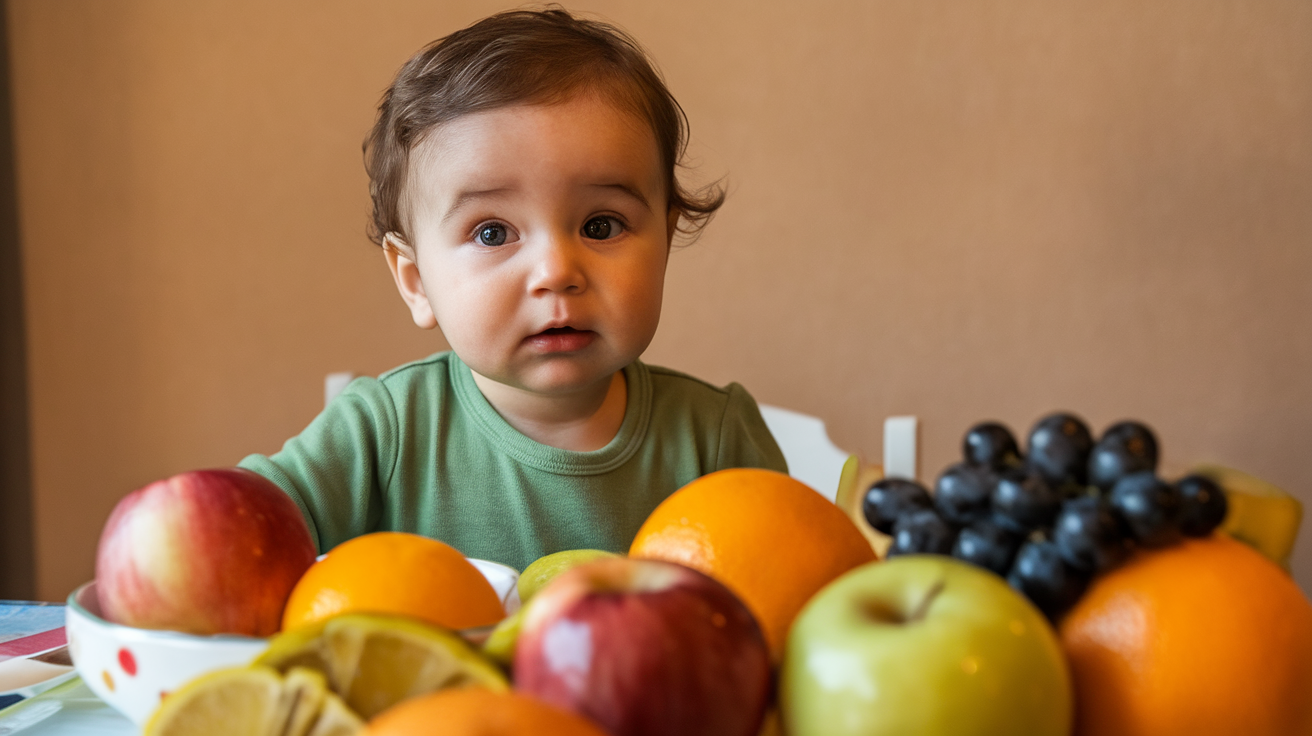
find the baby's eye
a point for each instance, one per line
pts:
(493, 233)
(602, 228)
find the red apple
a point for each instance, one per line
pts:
(204, 552)
(645, 647)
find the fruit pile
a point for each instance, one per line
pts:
(1053, 517)
(749, 605)
(681, 635)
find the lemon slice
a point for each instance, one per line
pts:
(316, 711)
(257, 701)
(374, 661)
(1261, 515)
(855, 480)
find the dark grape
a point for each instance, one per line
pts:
(961, 494)
(988, 545)
(921, 532)
(991, 445)
(1205, 505)
(1043, 576)
(1090, 535)
(1058, 449)
(1022, 502)
(1136, 436)
(1125, 448)
(1150, 507)
(890, 498)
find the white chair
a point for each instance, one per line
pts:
(812, 457)
(816, 461)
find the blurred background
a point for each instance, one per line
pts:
(962, 211)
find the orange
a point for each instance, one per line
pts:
(478, 712)
(1204, 637)
(398, 573)
(769, 538)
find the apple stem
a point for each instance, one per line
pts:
(923, 607)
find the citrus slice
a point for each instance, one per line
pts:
(855, 480)
(1261, 515)
(374, 661)
(257, 701)
(316, 711)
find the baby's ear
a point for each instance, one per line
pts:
(671, 225)
(401, 262)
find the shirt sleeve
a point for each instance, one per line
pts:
(338, 467)
(745, 440)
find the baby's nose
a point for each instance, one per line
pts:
(558, 268)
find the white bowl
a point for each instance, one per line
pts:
(504, 580)
(133, 669)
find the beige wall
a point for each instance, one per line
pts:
(958, 210)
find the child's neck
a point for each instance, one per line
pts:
(581, 422)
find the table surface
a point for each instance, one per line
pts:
(62, 705)
(70, 709)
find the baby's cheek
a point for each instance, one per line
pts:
(642, 309)
(469, 330)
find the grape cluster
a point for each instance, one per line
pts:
(1053, 517)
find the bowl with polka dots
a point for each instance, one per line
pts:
(133, 669)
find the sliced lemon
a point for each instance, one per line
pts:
(316, 711)
(335, 719)
(855, 480)
(257, 701)
(374, 661)
(1260, 514)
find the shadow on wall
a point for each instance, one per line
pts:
(16, 568)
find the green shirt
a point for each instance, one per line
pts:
(419, 449)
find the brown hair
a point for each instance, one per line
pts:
(516, 57)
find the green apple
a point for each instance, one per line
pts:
(500, 644)
(545, 569)
(923, 644)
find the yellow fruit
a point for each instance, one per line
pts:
(500, 644)
(1203, 637)
(479, 713)
(254, 701)
(544, 569)
(1260, 514)
(855, 480)
(374, 661)
(395, 572)
(769, 538)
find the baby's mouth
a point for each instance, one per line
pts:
(561, 339)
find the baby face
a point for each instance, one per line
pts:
(540, 235)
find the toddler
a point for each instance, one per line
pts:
(524, 195)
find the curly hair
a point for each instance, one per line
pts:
(523, 57)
